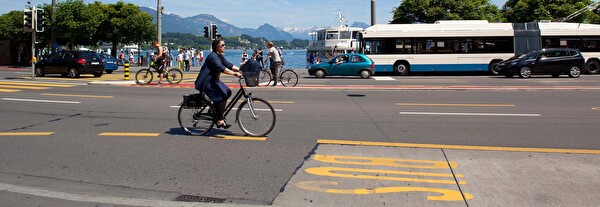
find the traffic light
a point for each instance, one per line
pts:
(27, 20)
(40, 20)
(215, 34)
(206, 32)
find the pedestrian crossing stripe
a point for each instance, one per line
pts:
(8, 90)
(23, 87)
(383, 78)
(35, 84)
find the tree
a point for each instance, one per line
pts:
(429, 11)
(118, 28)
(535, 10)
(76, 22)
(11, 26)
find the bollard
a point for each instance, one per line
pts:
(126, 73)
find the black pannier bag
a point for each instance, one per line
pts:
(251, 70)
(193, 100)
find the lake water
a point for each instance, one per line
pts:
(295, 59)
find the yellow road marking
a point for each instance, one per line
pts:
(25, 133)
(466, 105)
(355, 173)
(458, 147)
(37, 84)
(125, 134)
(223, 137)
(24, 87)
(8, 90)
(446, 195)
(75, 95)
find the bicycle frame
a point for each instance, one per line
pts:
(237, 97)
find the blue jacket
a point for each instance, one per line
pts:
(208, 79)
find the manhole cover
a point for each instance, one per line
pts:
(201, 199)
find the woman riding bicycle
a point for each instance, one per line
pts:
(209, 83)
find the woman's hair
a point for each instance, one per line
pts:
(215, 44)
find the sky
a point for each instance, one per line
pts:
(253, 13)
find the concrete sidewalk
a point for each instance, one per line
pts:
(342, 175)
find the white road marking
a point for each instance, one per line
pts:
(386, 78)
(42, 101)
(468, 114)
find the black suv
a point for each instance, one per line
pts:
(71, 64)
(554, 61)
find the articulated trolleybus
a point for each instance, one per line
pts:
(471, 45)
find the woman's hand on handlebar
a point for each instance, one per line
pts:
(238, 74)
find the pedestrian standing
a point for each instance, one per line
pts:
(201, 56)
(244, 57)
(275, 61)
(180, 60)
(186, 58)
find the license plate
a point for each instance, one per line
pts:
(110, 62)
(95, 63)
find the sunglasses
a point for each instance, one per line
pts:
(223, 45)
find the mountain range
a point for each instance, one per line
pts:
(195, 25)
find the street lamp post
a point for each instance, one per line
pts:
(158, 21)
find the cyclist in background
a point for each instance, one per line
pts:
(159, 60)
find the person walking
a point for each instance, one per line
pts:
(275, 61)
(208, 80)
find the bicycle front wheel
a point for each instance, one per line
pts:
(197, 121)
(263, 77)
(256, 118)
(174, 76)
(289, 78)
(143, 76)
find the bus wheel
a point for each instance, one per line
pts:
(401, 68)
(593, 67)
(493, 68)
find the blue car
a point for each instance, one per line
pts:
(344, 65)
(110, 63)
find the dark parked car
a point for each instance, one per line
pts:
(110, 63)
(344, 65)
(71, 64)
(553, 61)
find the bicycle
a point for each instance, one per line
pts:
(255, 116)
(145, 76)
(287, 77)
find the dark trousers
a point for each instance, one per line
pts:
(220, 106)
(275, 66)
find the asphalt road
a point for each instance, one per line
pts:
(79, 151)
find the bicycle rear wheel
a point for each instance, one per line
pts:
(256, 118)
(264, 76)
(197, 121)
(289, 78)
(174, 76)
(143, 76)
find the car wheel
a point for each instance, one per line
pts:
(365, 74)
(320, 74)
(525, 72)
(97, 75)
(39, 72)
(73, 73)
(109, 71)
(574, 72)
